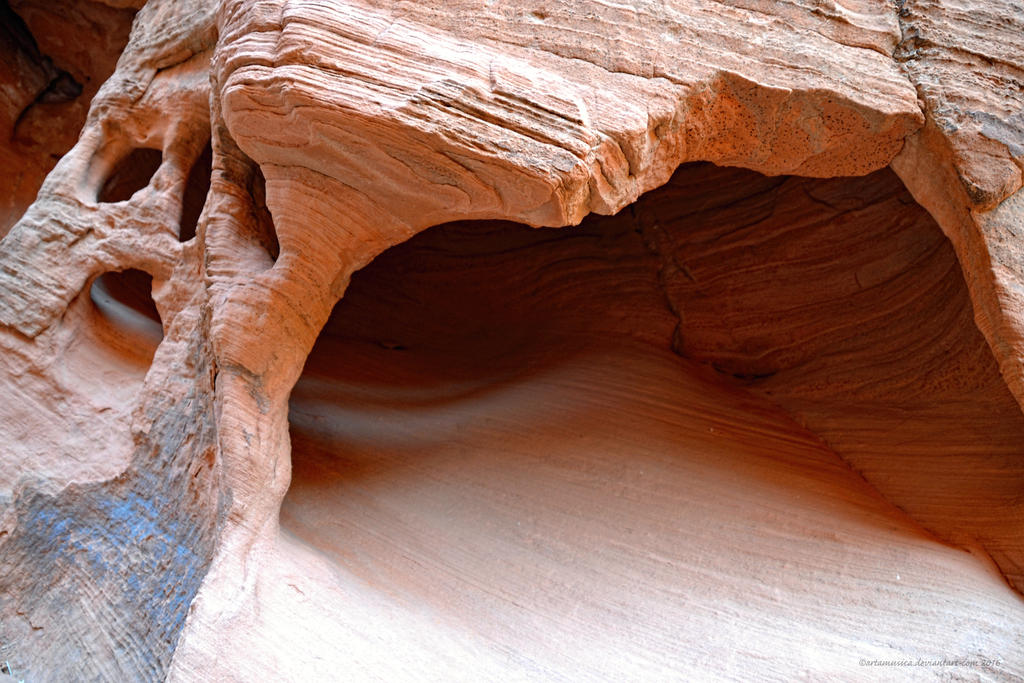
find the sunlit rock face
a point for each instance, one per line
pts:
(508, 341)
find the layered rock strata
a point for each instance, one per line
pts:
(748, 417)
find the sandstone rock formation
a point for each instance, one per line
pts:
(55, 57)
(289, 389)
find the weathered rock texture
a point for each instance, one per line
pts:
(56, 54)
(764, 417)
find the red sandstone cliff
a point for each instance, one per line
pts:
(296, 381)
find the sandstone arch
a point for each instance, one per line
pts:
(371, 122)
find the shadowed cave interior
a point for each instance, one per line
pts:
(743, 402)
(721, 401)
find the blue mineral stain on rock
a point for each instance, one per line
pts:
(144, 558)
(117, 563)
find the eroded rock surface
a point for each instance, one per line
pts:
(755, 419)
(56, 55)
(843, 303)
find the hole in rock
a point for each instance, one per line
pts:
(110, 334)
(130, 175)
(494, 430)
(196, 188)
(261, 218)
(106, 342)
(124, 303)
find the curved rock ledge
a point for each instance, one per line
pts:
(758, 415)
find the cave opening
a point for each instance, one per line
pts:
(197, 186)
(131, 174)
(260, 218)
(722, 393)
(126, 313)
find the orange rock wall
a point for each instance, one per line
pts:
(246, 159)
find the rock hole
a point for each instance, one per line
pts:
(196, 188)
(262, 220)
(124, 301)
(130, 175)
